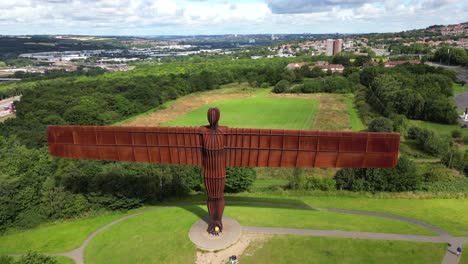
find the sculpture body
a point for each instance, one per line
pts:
(214, 170)
(215, 147)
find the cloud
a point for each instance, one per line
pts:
(155, 17)
(435, 4)
(310, 6)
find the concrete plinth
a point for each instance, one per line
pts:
(230, 235)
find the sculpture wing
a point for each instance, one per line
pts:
(165, 145)
(303, 148)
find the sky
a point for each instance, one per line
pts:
(206, 17)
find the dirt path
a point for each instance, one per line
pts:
(222, 257)
(333, 113)
(187, 104)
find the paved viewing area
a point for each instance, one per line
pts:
(233, 231)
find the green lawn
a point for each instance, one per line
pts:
(250, 215)
(450, 215)
(156, 237)
(64, 260)
(356, 122)
(257, 112)
(65, 236)
(161, 236)
(458, 89)
(263, 185)
(298, 249)
(464, 256)
(54, 237)
(438, 128)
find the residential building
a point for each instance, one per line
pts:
(337, 45)
(390, 64)
(330, 44)
(296, 65)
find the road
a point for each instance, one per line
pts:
(4, 103)
(460, 100)
(462, 72)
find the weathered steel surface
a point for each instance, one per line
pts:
(215, 148)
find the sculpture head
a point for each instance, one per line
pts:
(213, 117)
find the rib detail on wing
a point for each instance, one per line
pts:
(164, 145)
(303, 148)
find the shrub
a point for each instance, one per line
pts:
(297, 180)
(399, 179)
(458, 185)
(429, 142)
(239, 179)
(381, 124)
(320, 183)
(456, 159)
(281, 86)
(465, 139)
(36, 258)
(29, 218)
(456, 133)
(400, 124)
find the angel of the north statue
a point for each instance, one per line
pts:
(216, 147)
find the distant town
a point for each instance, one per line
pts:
(121, 53)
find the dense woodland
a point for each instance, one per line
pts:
(35, 187)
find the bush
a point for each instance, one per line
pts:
(264, 85)
(402, 178)
(36, 258)
(456, 133)
(320, 183)
(400, 124)
(458, 185)
(6, 260)
(381, 124)
(29, 218)
(281, 86)
(429, 142)
(239, 179)
(297, 181)
(465, 139)
(456, 159)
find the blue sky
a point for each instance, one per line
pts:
(191, 17)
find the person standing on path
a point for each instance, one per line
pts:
(459, 250)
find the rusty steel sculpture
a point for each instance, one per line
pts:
(216, 147)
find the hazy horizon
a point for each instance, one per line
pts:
(221, 17)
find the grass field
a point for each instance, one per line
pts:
(449, 214)
(458, 89)
(256, 112)
(133, 241)
(356, 122)
(464, 256)
(64, 260)
(318, 219)
(65, 236)
(438, 128)
(297, 249)
(55, 237)
(157, 237)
